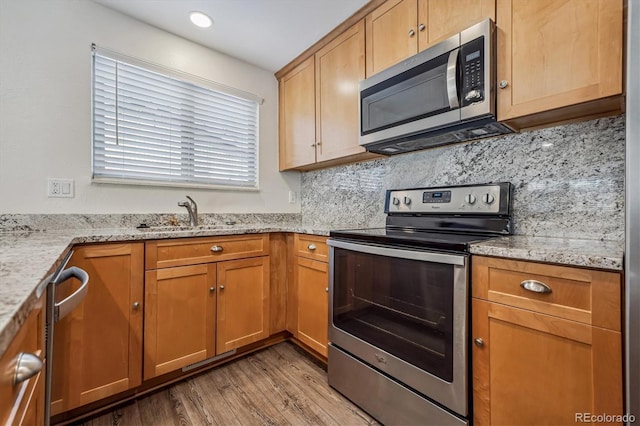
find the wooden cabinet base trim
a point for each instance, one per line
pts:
(605, 107)
(310, 351)
(104, 391)
(178, 363)
(365, 156)
(157, 383)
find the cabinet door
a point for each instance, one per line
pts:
(391, 34)
(440, 19)
(298, 116)
(339, 69)
(97, 349)
(313, 303)
(243, 303)
(555, 54)
(179, 328)
(534, 369)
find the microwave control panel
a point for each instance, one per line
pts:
(472, 56)
(467, 199)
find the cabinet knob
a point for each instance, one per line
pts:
(136, 305)
(311, 247)
(313, 145)
(221, 287)
(326, 289)
(412, 32)
(503, 84)
(216, 249)
(27, 366)
(212, 289)
(421, 27)
(479, 342)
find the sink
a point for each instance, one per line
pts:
(178, 228)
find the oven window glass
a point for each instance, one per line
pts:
(402, 306)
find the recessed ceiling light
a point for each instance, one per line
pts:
(200, 19)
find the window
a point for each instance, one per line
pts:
(150, 127)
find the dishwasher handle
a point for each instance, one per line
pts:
(68, 304)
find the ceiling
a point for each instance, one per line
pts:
(266, 33)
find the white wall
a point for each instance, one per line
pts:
(45, 116)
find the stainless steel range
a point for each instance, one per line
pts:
(399, 303)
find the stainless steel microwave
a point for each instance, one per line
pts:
(445, 94)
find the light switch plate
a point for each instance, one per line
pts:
(293, 197)
(60, 188)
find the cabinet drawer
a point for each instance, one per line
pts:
(23, 402)
(584, 295)
(192, 251)
(311, 247)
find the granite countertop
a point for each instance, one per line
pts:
(28, 258)
(566, 251)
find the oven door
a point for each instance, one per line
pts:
(404, 312)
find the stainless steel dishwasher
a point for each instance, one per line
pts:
(55, 311)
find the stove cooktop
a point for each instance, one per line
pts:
(412, 238)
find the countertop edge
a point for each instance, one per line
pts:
(512, 247)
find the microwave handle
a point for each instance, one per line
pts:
(452, 79)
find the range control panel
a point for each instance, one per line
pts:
(467, 199)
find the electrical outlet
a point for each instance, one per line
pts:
(293, 197)
(62, 188)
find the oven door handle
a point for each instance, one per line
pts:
(427, 256)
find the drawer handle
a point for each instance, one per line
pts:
(27, 366)
(311, 247)
(535, 286)
(216, 249)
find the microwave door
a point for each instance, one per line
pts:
(423, 97)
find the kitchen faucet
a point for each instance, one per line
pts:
(192, 208)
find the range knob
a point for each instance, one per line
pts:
(395, 201)
(470, 199)
(406, 201)
(488, 198)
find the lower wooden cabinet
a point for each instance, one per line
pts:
(550, 356)
(195, 312)
(243, 303)
(180, 312)
(308, 301)
(23, 403)
(313, 303)
(97, 349)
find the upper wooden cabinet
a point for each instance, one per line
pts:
(97, 348)
(401, 28)
(339, 69)
(558, 60)
(298, 116)
(319, 112)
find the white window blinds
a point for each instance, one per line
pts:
(152, 128)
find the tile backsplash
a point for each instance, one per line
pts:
(568, 180)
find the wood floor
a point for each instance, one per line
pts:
(276, 386)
